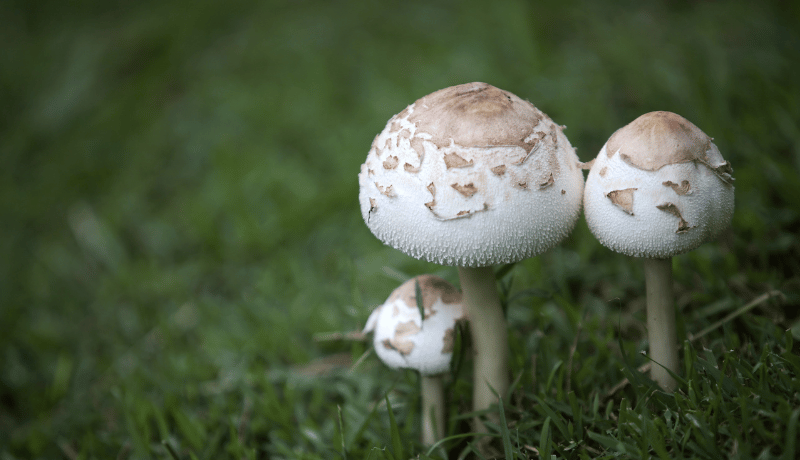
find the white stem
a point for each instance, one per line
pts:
(432, 409)
(489, 335)
(661, 329)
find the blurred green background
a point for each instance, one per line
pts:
(178, 190)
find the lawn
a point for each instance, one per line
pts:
(182, 256)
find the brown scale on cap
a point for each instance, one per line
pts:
(396, 126)
(374, 148)
(683, 226)
(467, 190)
(550, 181)
(400, 340)
(404, 134)
(453, 160)
(536, 142)
(391, 162)
(388, 191)
(623, 199)
(554, 135)
(683, 189)
(432, 189)
(419, 149)
(432, 288)
(657, 139)
(499, 170)
(418, 145)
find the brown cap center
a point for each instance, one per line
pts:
(476, 115)
(657, 139)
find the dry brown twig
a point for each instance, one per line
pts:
(355, 336)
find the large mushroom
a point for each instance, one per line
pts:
(473, 176)
(405, 339)
(659, 188)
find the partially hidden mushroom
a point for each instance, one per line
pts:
(473, 176)
(403, 338)
(658, 188)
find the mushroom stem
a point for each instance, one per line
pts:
(661, 321)
(432, 408)
(489, 335)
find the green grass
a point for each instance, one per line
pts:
(179, 227)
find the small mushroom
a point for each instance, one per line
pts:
(518, 193)
(659, 188)
(404, 339)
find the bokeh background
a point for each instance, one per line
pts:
(178, 190)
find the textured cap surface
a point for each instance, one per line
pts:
(403, 339)
(471, 176)
(658, 188)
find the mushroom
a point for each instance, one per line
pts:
(658, 188)
(473, 176)
(404, 339)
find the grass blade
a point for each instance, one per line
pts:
(544, 439)
(170, 449)
(791, 436)
(341, 432)
(543, 408)
(394, 431)
(507, 449)
(364, 424)
(458, 349)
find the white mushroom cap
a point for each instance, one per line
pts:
(471, 176)
(403, 340)
(658, 188)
